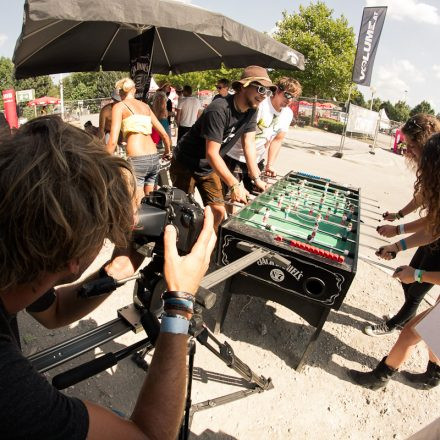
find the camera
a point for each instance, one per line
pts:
(168, 206)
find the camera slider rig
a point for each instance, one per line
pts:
(136, 316)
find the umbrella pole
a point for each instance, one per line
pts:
(62, 96)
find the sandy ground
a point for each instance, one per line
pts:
(320, 402)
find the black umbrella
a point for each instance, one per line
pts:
(85, 35)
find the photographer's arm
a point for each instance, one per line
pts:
(67, 307)
(159, 407)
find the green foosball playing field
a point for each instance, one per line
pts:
(319, 217)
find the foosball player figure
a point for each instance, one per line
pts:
(327, 216)
(266, 216)
(347, 231)
(313, 234)
(343, 219)
(280, 201)
(286, 211)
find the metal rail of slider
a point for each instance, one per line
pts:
(296, 235)
(308, 215)
(316, 201)
(129, 317)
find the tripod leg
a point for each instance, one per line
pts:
(187, 417)
(224, 305)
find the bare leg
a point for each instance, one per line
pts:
(219, 214)
(139, 195)
(148, 189)
(408, 339)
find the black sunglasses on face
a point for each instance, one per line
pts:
(411, 124)
(262, 90)
(218, 87)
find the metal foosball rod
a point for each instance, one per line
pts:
(328, 205)
(333, 193)
(345, 193)
(310, 216)
(274, 229)
(339, 237)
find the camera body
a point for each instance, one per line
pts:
(169, 206)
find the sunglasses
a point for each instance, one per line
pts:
(262, 90)
(288, 95)
(411, 124)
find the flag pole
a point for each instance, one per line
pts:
(344, 130)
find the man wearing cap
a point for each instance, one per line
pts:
(198, 157)
(273, 121)
(105, 117)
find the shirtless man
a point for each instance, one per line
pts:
(105, 117)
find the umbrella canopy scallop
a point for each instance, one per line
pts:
(45, 100)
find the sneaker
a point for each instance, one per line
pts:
(378, 329)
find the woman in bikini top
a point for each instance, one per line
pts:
(136, 120)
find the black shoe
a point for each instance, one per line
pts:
(378, 329)
(373, 380)
(427, 380)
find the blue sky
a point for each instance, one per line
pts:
(406, 59)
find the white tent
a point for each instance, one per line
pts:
(153, 85)
(384, 120)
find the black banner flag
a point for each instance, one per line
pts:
(369, 35)
(141, 55)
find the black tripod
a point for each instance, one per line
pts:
(146, 308)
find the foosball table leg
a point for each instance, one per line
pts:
(313, 339)
(224, 305)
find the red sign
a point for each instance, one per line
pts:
(10, 107)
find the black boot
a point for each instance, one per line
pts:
(378, 378)
(427, 380)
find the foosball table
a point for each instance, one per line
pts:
(312, 222)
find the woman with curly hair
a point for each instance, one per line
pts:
(427, 190)
(417, 130)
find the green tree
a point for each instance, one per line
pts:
(357, 98)
(389, 109)
(204, 80)
(423, 107)
(402, 111)
(6, 74)
(377, 104)
(328, 45)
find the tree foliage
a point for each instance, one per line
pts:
(423, 107)
(205, 80)
(328, 45)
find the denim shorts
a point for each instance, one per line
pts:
(146, 168)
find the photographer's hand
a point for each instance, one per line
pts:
(185, 273)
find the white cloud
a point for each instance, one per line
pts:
(3, 38)
(436, 69)
(409, 10)
(392, 80)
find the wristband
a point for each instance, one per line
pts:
(234, 187)
(168, 307)
(174, 324)
(401, 229)
(179, 302)
(178, 294)
(403, 245)
(418, 274)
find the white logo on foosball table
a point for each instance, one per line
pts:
(277, 275)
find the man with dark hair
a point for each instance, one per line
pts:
(62, 196)
(198, 157)
(273, 121)
(222, 88)
(188, 110)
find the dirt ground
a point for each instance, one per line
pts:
(320, 402)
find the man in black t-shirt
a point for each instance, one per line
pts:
(61, 196)
(198, 157)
